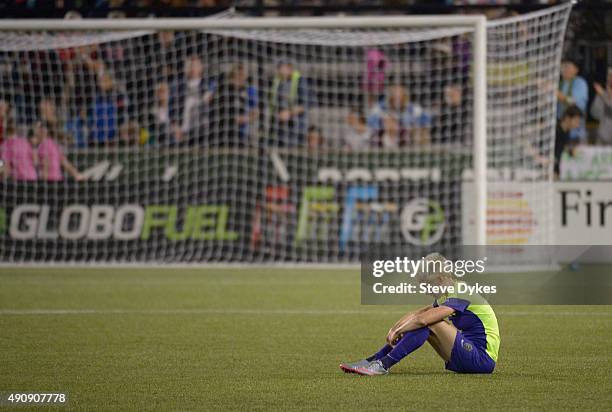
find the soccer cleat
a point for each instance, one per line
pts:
(374, 368)
(350, 367)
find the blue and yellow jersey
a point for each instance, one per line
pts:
(475, 318)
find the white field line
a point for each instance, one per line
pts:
(268, 312)
(195, 265)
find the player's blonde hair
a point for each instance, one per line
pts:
(435, 269)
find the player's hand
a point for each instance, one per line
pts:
(389, 336)
(397, 338)
(394, 336)
(598, 89)
(402, 321)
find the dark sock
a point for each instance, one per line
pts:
(409, 343)
(380, 354)
(387, 362)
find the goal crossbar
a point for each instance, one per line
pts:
(259, 23)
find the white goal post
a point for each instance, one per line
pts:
(425, 32)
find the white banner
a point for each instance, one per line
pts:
(581, 213)
(515, 215)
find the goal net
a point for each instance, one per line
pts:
(262, 145)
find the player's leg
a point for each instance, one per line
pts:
(440, 335)
(350, 367)
(442, 338)
(410, 342)
(459, 353)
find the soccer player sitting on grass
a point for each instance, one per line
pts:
(461, 328)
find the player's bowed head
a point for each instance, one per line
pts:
(435, 272)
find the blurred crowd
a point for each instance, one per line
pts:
(92, 96)
(574, 105)
(158, 92)
(193, 8)
(98, 7)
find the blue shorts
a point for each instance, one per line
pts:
(468, 358)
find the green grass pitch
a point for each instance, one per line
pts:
(236, 339)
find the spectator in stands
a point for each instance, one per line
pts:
(358, 136)
(27, 86)
(602, 109)
(107, 111)
(234, 106)
(72, 15)
(377, 65)
(41, 74)
(88, 60)
(570, 120)
(130, 133)
(193, 101)
(77, 126)
(315, 139)
(573, 90)
(50, 156)
(47, 113)
(400, 121)
(80, 69)
(165, 52)
(451, 117)
(162, 118)
(288, 106)
(18, 156)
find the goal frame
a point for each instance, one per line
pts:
(476, 22)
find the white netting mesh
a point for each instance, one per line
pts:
(261, 145)
(523, 55)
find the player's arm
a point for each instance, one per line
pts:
(420, 320)
(69, 167)
(406, 317)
